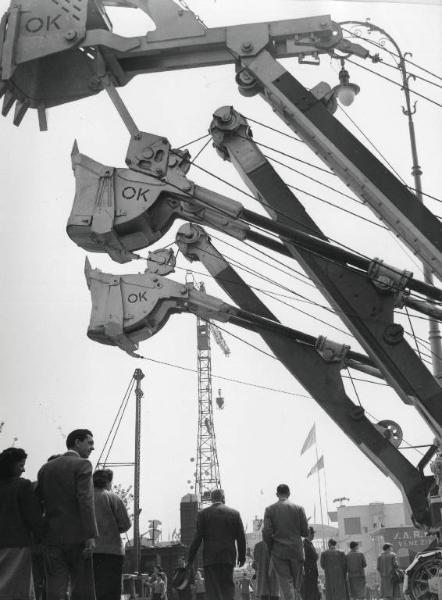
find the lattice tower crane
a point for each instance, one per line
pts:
(207, 475)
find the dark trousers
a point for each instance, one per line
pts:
(108, 570)
(218, 580)
(288, 573)
(67, 570)
(39, 576)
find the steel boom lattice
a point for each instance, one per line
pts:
(207, 475)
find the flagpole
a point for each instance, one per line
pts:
(320, 497)
(326, 496)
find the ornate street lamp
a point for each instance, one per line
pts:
(345, 91)
(355, 30)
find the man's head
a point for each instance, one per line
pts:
(386, 547)
(311, 533)
(217, 496)
(354, 545)
(82, 441)
(181, 562)
(283, 490)
(332, 543)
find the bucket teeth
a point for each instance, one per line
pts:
(88, 271)
(42, 118)
(8, 102)
(75, 149)
(20, 111)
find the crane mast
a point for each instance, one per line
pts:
(207, 476)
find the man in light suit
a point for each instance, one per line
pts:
(285, 524)
(219, 528)
(66, 491)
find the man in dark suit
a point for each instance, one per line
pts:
(66, 491)
(219, 527)
(285, 524)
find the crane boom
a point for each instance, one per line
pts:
(207, 474)
(49, 50)
(219, 339)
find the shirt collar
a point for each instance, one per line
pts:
(70, 452)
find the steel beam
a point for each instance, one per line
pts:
(366, 310)
(356, 166)
(320, 378)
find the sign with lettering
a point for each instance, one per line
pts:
(406, 537)
(138, 297)
(138, 193)
(37, 24)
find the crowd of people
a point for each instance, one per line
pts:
(345, 574)
(285, 562)
(60, 538)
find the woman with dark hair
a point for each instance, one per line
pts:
(356, 564)
(21, 525)
(112, 519)
(309, 589)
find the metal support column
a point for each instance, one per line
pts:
(138, 376)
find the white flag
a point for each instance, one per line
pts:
(318, 466)
(310, 439)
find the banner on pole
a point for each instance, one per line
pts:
(310, 439)
(317, 467)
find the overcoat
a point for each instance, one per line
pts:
(356, 564)
(20, 513)
(309, 589)
(335, 568)
(266, 581)
(387, 561)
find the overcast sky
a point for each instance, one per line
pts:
(54, 379)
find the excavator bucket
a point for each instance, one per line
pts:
(121, 210)
(42, 64)
(115, 210)
(129, 308)
(50, 50)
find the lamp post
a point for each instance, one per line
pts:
(434, 334)
(138, 376)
